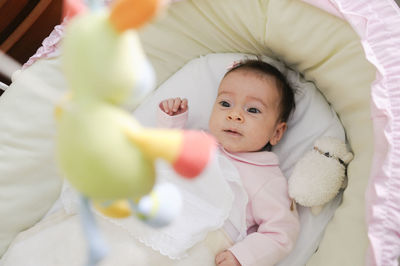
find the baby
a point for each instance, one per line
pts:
(249, 116)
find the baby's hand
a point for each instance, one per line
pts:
(226, 258)
(174, 106)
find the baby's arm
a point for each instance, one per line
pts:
(278, 227)
(172, 113)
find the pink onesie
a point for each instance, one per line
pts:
(272, 227)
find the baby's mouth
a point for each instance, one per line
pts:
(232, 132)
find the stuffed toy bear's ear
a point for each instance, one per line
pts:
(318, 177)
(347, 157)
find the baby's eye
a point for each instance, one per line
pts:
(224, 104)
(253, 110)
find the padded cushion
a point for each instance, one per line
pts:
(29, 176)
(325, 49)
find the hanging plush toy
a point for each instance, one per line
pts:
(103, 152)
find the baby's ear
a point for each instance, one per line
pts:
(278, 134)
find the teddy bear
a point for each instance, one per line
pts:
(319, 176)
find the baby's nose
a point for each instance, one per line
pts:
(235, 116)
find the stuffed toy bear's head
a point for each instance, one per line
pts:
(318, 177)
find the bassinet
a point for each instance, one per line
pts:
(355, 66)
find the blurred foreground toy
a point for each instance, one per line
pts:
(318, 177)
(103, 152)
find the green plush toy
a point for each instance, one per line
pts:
(103, 152)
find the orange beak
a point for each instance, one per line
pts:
(128, 14)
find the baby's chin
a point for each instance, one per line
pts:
(235, 149)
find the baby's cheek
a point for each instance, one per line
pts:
(259, 141)
(212, 125)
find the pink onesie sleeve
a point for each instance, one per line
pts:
(278, 226)
(169, 121)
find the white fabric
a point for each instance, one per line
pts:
(207, 203)
(198, 82)
(58, 241)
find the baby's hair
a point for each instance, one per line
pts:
(287, 104)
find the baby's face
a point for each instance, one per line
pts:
(245, 113)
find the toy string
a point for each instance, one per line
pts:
(97, 247)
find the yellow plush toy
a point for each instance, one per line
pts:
(103, 152)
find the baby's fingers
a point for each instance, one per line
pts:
(176, 104)
(164, 106)
(184, 104)
(170, 105)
